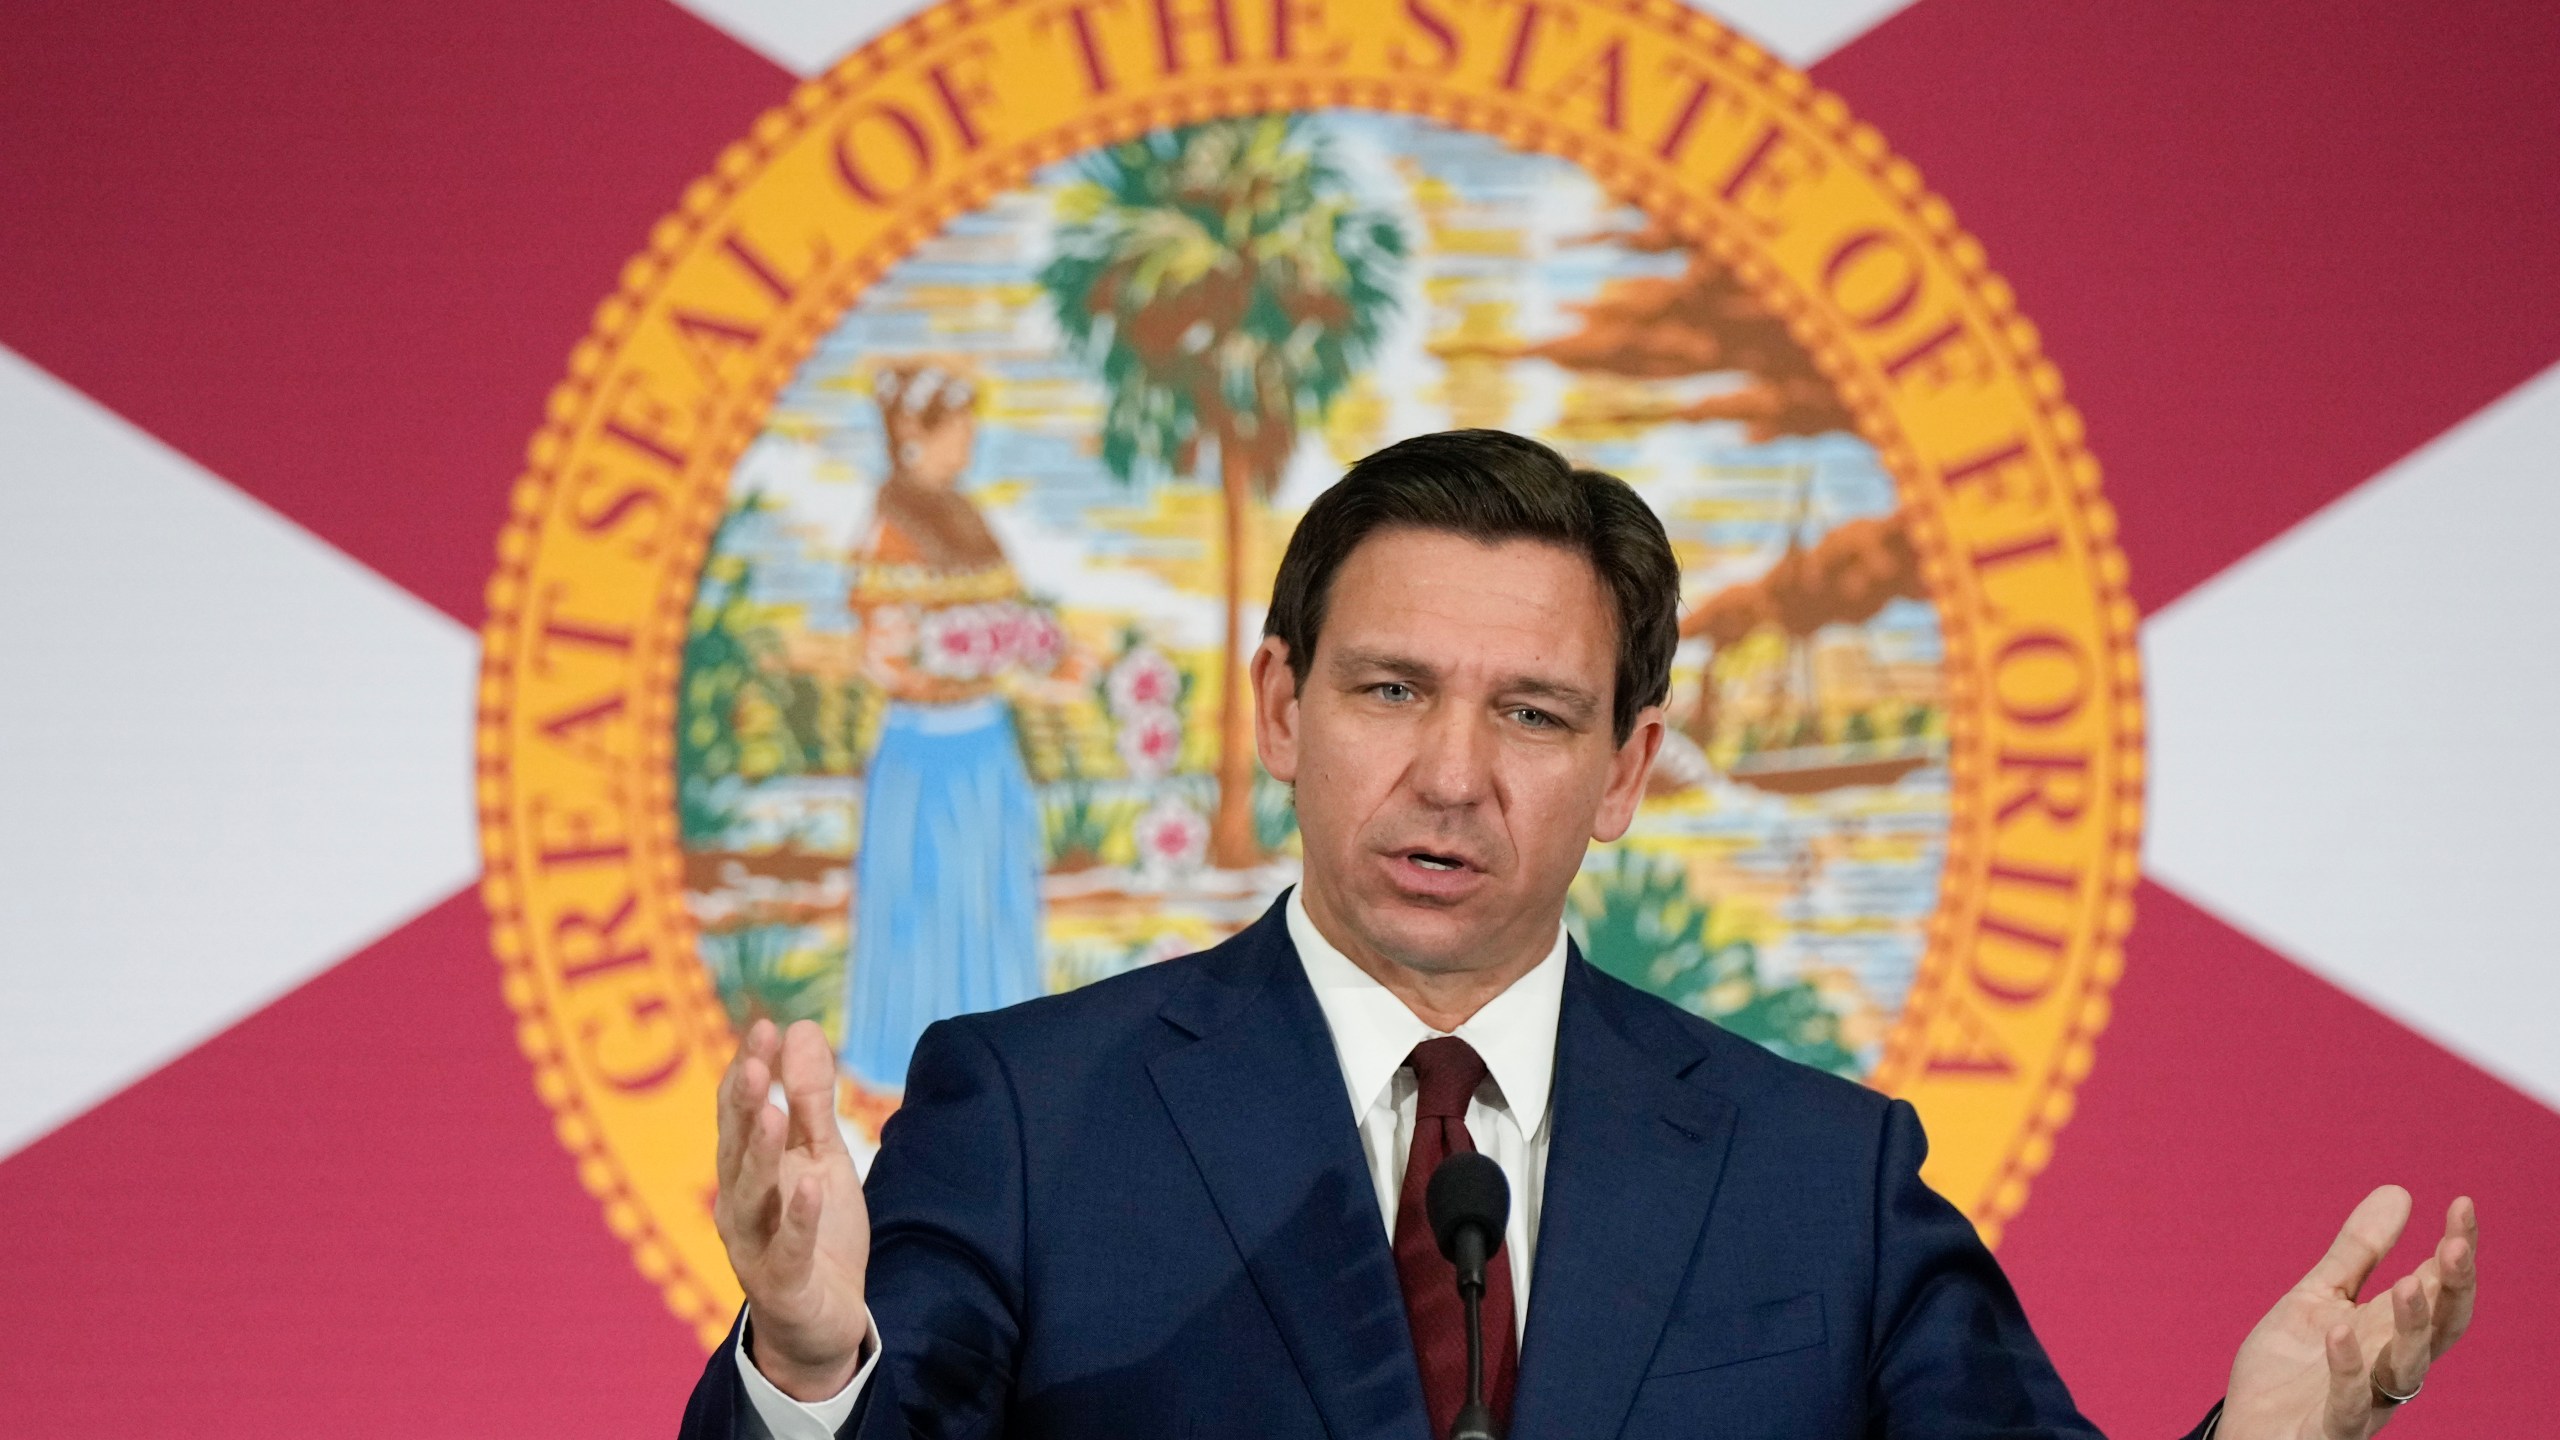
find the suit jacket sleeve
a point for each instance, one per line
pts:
(945, 1287)
(1953, 1357)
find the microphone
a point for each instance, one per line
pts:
(1469, 1203)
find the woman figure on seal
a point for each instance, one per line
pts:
(946, 901)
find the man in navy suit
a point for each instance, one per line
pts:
(1186, 1202)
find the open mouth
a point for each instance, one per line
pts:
(1429, 861)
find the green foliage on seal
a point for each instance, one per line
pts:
(1635, 920)
(1228, 284)
(760, 974)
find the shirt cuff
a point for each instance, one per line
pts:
(790, 1419)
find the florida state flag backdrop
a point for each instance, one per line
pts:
(539, 532)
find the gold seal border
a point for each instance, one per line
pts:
(678, 233)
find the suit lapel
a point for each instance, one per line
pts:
(1258, 1099)
(1632, 1169)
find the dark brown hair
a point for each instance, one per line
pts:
(1492, 486)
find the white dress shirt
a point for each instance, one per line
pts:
(1515, 1033)
(1373, 1032)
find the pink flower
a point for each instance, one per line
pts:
(1150, 741)
(1004, 629)
(1035, 642)
(1144, 679)
(985, 645)
(1172, 836)
(960, 643)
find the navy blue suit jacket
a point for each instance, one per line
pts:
(1140, 1210)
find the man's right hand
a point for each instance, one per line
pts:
(790, 1212)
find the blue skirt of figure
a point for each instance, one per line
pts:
(946, 901)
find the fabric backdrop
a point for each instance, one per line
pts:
(284, 286)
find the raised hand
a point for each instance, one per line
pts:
(790, 1212)
(2320, 1366)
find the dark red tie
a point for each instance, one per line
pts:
(1448, 1071)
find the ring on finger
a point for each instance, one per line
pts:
(2384, 1399)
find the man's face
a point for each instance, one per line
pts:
(1451, 746)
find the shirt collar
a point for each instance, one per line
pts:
(1373, 1032)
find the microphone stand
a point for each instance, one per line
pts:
(1470, 1202)
(1474, 1421)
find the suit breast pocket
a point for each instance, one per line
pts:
(1706, 1340)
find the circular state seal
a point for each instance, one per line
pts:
(864, 641)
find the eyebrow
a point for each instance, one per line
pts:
(1581, 704)
(1575, 701)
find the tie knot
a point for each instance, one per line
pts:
(1446, 1073)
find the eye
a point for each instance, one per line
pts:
(1535, 719)
(1393, 691)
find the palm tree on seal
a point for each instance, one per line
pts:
(1228, 285)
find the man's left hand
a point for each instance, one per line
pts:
(2323, 1367)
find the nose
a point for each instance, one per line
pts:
(1452, 765)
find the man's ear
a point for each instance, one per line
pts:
(1275, 710)
(1627, 771)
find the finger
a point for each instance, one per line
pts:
(2457, 1260)
(755, 1047)
(2403, 1361)
(2372, 1228)
(809, 1081)
(757, 1044)
(759, 1173)
(742, 1093)
(2350, 1402)
(795, 1239)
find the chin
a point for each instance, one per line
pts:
(1431, 940)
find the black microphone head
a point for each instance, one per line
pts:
(1467, 1189)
